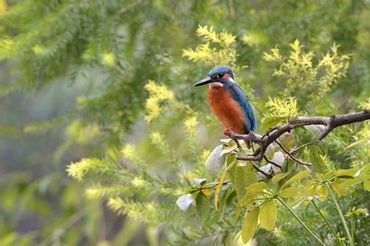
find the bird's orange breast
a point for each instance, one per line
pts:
(226, 109)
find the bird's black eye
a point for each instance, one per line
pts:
(221, 75)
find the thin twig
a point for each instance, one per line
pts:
(212, 185)
(254, 165)
(292, 156)
(259, 170)
(299, 220)
(296, 149)
(271, 162)
(237, 143)
(250, 158)
(327, 223)
(340, 214)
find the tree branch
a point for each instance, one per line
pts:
(291, 156)
(274, 133)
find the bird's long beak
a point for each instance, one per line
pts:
(204, 81)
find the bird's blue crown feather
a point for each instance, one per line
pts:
(220, 69)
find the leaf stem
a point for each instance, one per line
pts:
(327, 222)
(340, 214)
(300, 221)
(209, 186)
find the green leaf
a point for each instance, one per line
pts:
(230, 167)
(289, 192)
(231, 161)
(278, 177)
(219, 187)
(202, 203)
(249, 225)
(296, 177)
(252, 191)
(309, 188)
(287, 140)
(268, 214)
(257, 186)
(226, 200)
(367, 185)
(345, 173)
(243, 176)
(340, 189)
(359, 211)
(323, 193)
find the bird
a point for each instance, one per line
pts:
(228, 101)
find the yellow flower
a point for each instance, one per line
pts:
(82, 133)
(204, 155)
(116, 204)
(129, 152)
(157, 95)
(138, 182)
(161, 92)
(286, 107)
(365, 104)
(191, 125)
(254, 38)
(108, 59)
(217, 47)
(156, 137)
(78, 170)
(38, 49)
(301, 71)
(274, 55)
(6, 47)
(95, 193)
(151, 206)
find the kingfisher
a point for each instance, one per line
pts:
(228, 101)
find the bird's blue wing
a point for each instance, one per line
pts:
(239, 96)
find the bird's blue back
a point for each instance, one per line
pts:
(239, 96)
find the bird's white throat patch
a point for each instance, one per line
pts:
(215, 85)
(231, 79)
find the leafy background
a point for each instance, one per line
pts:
(75, 84)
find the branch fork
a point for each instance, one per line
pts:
(273, 134)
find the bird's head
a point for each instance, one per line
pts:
(217, 77)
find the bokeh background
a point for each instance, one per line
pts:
(72, 76)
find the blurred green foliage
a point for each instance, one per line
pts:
(74, 84)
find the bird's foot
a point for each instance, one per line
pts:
(231, 134)
(254, 137)
(249, 138)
